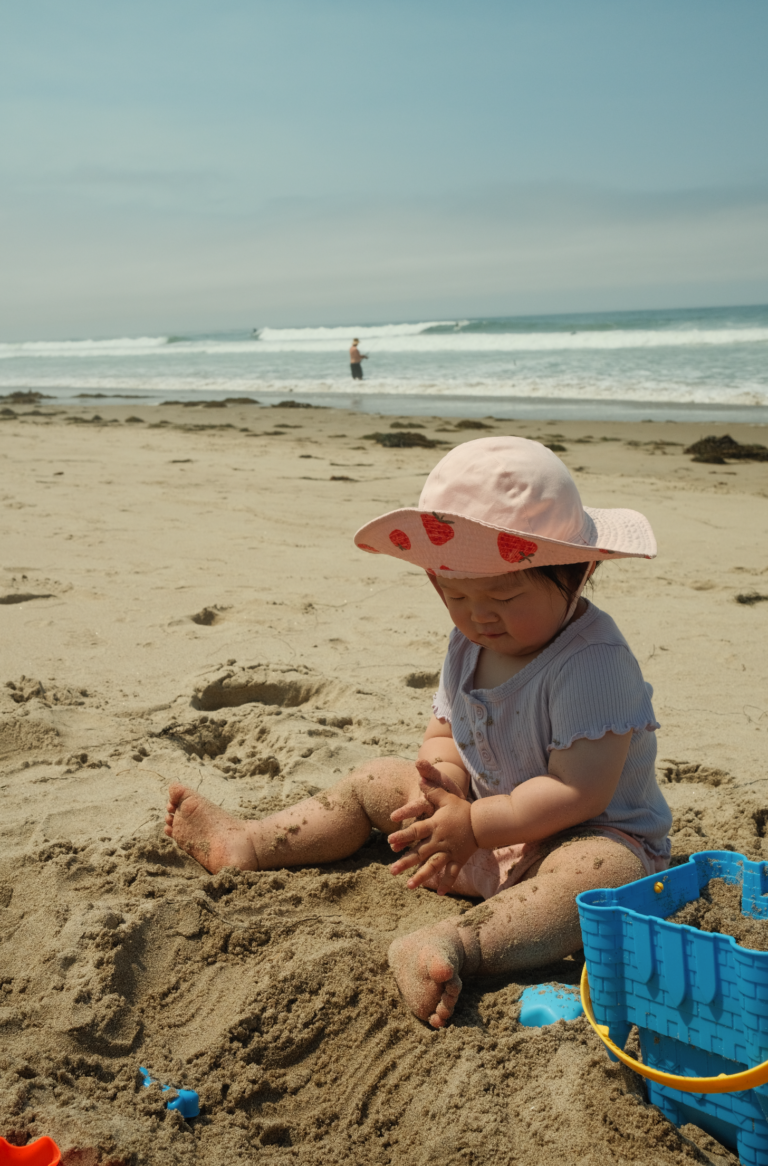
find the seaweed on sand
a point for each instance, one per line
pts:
(402, 439)
(714, 451)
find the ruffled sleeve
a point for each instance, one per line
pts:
(599, 690)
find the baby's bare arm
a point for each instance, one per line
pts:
(581, 782)
(439, 748)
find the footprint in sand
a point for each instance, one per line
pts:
(209, 615)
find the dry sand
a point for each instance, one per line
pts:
(180, 599)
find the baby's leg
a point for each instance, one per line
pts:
(527, 926)
(329, 826)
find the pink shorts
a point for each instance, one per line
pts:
(491, 871)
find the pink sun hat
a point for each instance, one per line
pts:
(503, 504)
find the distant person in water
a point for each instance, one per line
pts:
(356, 359)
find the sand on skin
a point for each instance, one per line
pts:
(208, 620)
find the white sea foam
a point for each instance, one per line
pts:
(125, 346)
(399, 338)
(565, 388)
(457, 342)
(343, 334)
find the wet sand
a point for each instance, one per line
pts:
(180, 598)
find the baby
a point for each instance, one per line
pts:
(535, 779)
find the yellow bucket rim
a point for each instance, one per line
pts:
(723, 1083)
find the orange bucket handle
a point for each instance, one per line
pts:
(723, 1083)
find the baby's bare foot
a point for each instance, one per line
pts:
(208, 833)
(426, 965)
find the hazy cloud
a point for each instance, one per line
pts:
(187, 165)
(98, 265)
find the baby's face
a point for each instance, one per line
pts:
(509, 614)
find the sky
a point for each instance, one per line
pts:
(183, 165)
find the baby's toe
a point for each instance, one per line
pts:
(447, 1005)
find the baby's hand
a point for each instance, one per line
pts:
(442, 841)
(431, 779)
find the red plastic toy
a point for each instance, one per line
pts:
(43, 1152)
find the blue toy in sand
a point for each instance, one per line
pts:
(186, 1101)
(547, 1003)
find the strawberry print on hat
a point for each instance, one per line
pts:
(514, 549)
(439, 530)
(400, 539)
(371, 550)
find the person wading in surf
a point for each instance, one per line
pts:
(356, 359)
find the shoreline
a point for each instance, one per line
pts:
(505, 408)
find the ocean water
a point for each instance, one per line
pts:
(699, 364)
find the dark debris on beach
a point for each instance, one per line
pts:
(404, 439)
(25, 397)
(716, 450)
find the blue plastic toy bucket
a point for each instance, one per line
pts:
(700, 1001)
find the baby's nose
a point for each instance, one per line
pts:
(484, 615)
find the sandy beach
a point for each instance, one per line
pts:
(181, 599)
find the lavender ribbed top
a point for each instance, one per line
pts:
(584, 684)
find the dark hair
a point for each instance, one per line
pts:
(566, 577)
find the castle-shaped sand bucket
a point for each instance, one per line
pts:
(699, 1000)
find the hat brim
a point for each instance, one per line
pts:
(452, 544)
